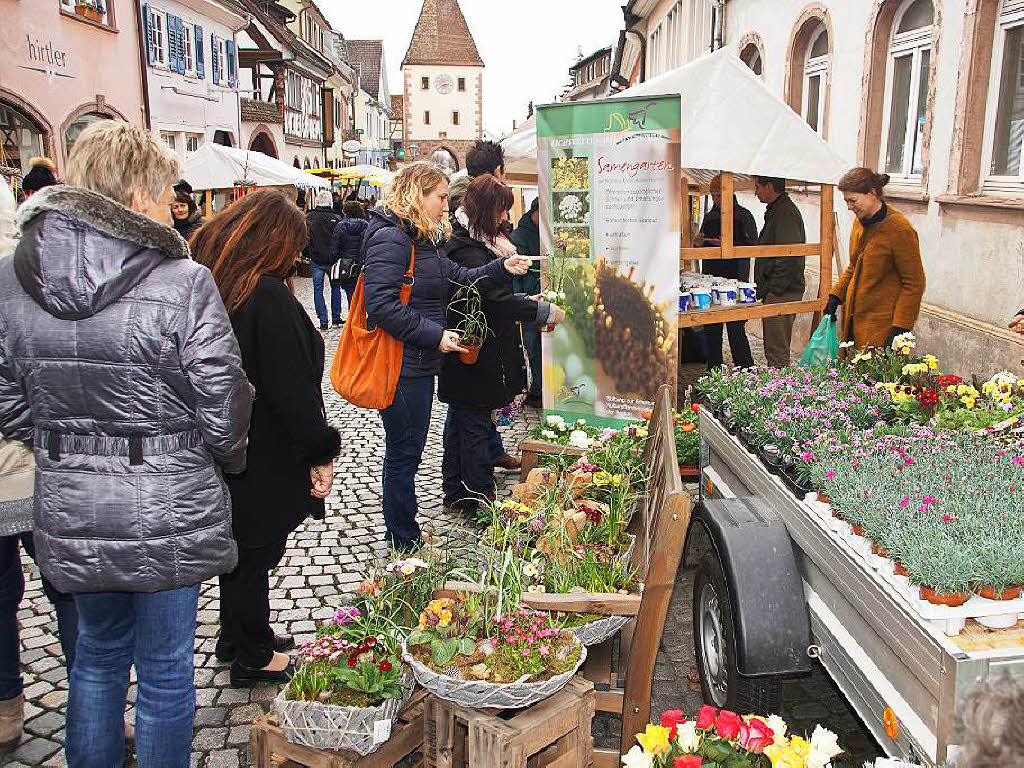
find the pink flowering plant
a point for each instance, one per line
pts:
(528, 644)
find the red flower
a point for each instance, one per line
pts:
(672, 719)
(688, 761)
(727, 725)
(706, 717)
(759, 736)
(694, 407)
(384, 666)
(948, 379)
(928, 398)
(353, 659)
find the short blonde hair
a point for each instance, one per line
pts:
(117, 160)
(404, 197)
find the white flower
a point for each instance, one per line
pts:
(825, 743)
(579, 439)
(687, 736)
(637, 758)
(581, 422)
(536, 588)
(547, 434)
(530, 570)
(561, 295)
(551, 295)
(418, 563)
(845, 344)
(408, 569)
(555, 420)
(570, 207)
(905, 341)
(778, 726)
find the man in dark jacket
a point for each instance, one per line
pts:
(347, 247)
(322, 220)
(526, 239)
(779, 279)
(744, 232)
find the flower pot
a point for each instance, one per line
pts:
(1010, 593)
(857, 529)
(93, 15)
(81, 10)
(879, 550)
(471, 354)
(898, 569)
(951, 599)
(823, 498)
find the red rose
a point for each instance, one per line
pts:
(694, 407)
(384, 666)
(727, 724)
(706, 717)
(672, 719)
(688, 761)
(353, 659)
(759, 736)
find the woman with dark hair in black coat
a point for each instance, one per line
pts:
(499, 374)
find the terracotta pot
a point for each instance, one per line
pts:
(1010, 593)
(836, 514)
(81, 10)
(857, 530)
(93, 15)
(952, 599)
(877, 550)
(898, 568)
(688, 470)
(823, 498)
(471, 354)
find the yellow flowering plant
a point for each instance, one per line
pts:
(448, 627)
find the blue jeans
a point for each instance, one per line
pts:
(155, 631)
(319, 274)
(467, 468)
(495, 448)
(12, 590)
(406, 423)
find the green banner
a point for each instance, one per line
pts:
(609, 181)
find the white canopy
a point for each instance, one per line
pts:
(731, 121)
(213, 166)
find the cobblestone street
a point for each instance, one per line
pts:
(322, 565)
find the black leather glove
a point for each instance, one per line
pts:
(832, 306)
(893, 333)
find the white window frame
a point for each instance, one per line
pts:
(912, 44)
(159, 41)
(189, 43)
(222, 61)
(170, 138)
(1011, 15)
(190, 139)
(815, 67)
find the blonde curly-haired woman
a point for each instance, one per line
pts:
(413, 219)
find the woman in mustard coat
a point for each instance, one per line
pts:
(881, 290)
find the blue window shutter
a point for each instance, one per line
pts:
(149, 38)
(179, 43)
(172, 43)
(200, 64)
(214, 60)
(229, 53)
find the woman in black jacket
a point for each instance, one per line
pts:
(185, 213)
(291, 445)
(412, 219)
(499, 375)
(347, 246)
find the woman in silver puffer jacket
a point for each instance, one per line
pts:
(119, 365)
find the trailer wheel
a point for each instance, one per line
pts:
(714, 640)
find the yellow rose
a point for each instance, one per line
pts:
(799, 745)
(654, 740)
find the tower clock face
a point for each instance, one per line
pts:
(444, 84)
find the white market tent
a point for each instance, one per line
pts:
(213, 166)
(731, 121)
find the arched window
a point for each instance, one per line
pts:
(751, 56)
(815, 83)
(73, 131)
(445, 159)
(305, 164)
(21, 137)
(908, 71)
(296, 163)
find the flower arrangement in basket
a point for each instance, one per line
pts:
(347, 690)
(724, 739)
(555, 429)
(511, 661)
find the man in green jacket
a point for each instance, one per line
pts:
(779, 279)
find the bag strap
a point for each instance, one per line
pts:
(406, 292)
(412, 261)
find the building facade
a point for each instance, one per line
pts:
(930, 92)
(342, 86)
(372, 102)
(55, 75)
(192, 72)
(591, 76)
(442, 86)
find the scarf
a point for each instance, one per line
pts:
(501, 246)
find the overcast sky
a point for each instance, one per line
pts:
(527, 45)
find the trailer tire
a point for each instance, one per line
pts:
(714, 641)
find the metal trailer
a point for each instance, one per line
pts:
(776, 587)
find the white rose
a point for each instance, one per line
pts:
(547, 434)
(687, 736)
(825, 742)
(637, 758)
(579, 439)
(778, 726)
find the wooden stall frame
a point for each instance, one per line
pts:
(728, 250)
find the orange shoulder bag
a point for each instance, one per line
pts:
(367, 363)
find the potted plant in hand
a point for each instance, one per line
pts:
(472, 326)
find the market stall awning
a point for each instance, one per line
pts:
(731, 121)
(367, 174)
(213, 166)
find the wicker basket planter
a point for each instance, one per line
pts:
(600, 630)
(327, 726)
(478, 695)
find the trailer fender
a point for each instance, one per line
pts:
(772, 626)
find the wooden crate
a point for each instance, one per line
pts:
(554, 733)
(270, 749)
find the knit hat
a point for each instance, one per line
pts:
(324, 199)
(40, 175)
(182, 186)
(457, 190)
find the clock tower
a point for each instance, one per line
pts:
(442, 76)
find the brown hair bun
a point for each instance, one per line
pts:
(863, 181)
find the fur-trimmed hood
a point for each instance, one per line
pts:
(81, 251)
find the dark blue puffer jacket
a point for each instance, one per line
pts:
(347, 239)
(386, 246)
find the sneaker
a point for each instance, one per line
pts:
(323, 326)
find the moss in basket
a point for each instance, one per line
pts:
(334, 670)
